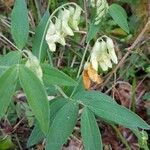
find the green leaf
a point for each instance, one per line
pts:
(55, 106)
(7, 87)
(40, 46)
(119, 15)
(62, 126)
(53, 76)
(37, 135)
(20, 23)
(6, 143)
(105, 107)
(147, 96)
(93, 29)
(90, 131)
(8, 60)
(36, 96)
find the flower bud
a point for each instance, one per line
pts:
(101, 10)
(99, 3)
(100, 6)
(34, 64)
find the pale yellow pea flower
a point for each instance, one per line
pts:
(75, 17)
(102, 54)
(64, 17)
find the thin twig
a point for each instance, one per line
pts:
(8, 41)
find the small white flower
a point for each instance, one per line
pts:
(101, 7)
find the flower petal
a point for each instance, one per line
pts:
(103, 66)
(51, 30)
(52, 46)
(111, 50)
(66, 29)
(94, 64)
(106, 59)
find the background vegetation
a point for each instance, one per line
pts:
(127, 82)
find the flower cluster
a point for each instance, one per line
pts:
(66, 21)
(101, 9)
(103, 54)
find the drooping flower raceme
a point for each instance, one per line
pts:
(66, 21)
(101, 9)
(103, 54)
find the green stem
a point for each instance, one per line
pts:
(123, 140)
(50, 58)
(56, 86)
(82, 61)
(61, 91)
